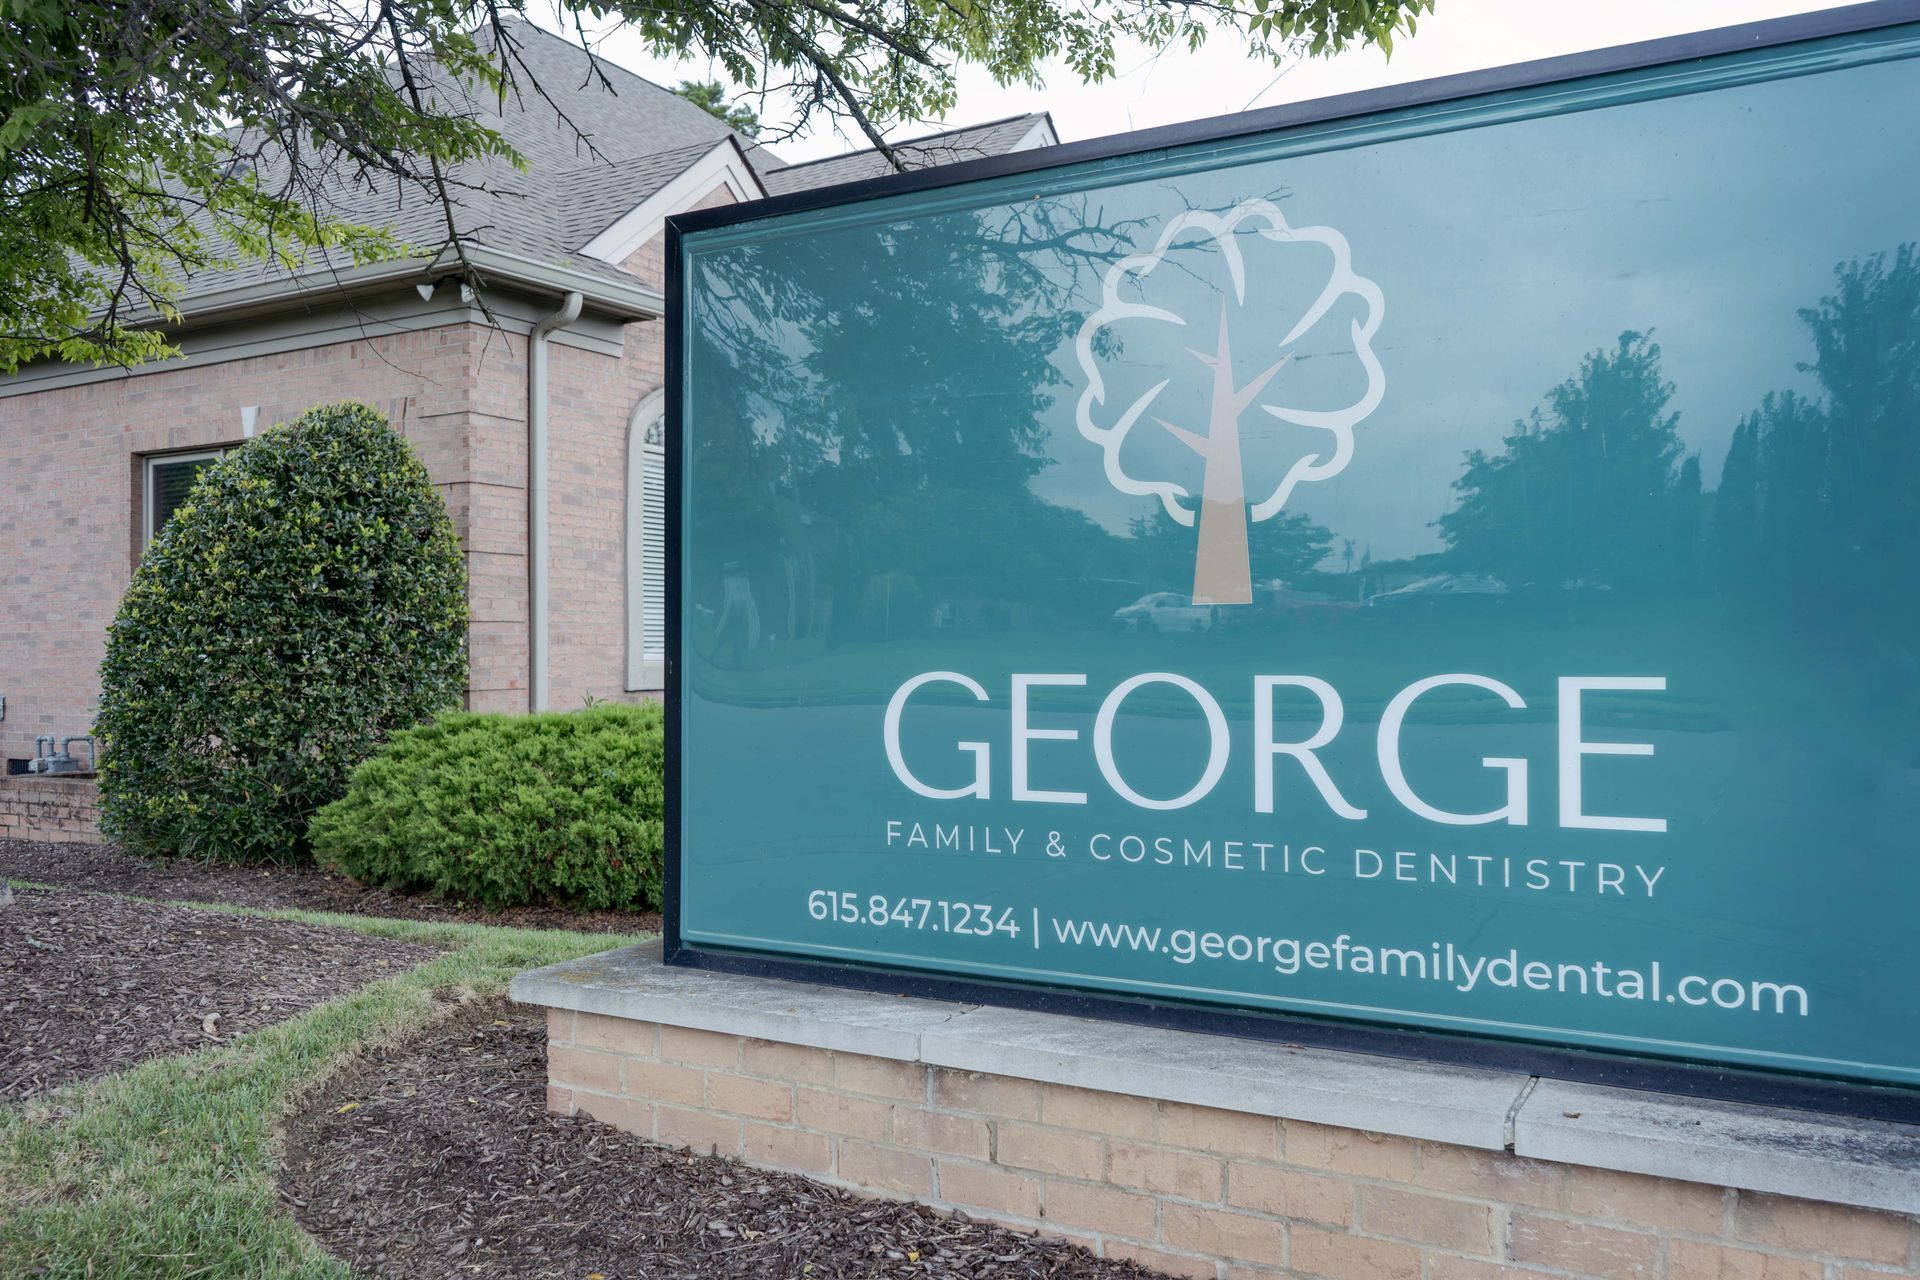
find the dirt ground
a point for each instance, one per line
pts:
(104, 869)
(438, 1157)
(91, 984)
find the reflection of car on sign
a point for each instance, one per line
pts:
(1166, 611)
(1293, 605)
(1277, 605)
(1447, 592)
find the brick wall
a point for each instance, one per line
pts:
(1192, 1191)
(591, 398)
(58, 810)
(70, 494)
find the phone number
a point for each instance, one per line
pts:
(934, 914)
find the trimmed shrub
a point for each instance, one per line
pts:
(307, 600)
(559, 808)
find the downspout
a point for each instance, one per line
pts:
(537, 498)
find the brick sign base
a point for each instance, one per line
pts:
(1191, 1190)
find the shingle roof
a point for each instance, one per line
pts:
(599, 195)
(597, 140)
(621, 119)
(971, 143)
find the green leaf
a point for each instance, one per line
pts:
(121, 175)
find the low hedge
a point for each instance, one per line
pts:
(559, 808)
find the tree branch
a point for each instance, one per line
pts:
(1202, 445)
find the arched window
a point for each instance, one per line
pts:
(647, 544)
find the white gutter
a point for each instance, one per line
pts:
(537, 497)
(617, 298)
(321, 285)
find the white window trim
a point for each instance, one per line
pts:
(642, 672)
(724, 166)
(146, 482)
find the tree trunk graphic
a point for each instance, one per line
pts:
(1221, 572)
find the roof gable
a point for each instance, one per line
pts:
(724, 165)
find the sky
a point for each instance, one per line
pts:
(1157, 87)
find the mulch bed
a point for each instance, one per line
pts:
(104, 869)
(91, 984)
(438, 1157)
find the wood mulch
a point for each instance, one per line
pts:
(438, 1157)
(104, 869)
(91, 984)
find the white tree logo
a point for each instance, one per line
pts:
(1131, 309)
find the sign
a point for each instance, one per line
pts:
(1436, 563)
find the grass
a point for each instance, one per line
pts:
(168, 1169)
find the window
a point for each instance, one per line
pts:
(169, 481)
(653, 544)
(647, 545)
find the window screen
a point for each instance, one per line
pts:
(169, 481)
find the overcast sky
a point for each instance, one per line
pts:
(1164, 87)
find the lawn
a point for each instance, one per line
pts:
(405, 1126)
(168, 1169)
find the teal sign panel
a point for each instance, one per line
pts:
(1456, 568)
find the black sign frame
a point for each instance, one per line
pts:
(1694, 1079)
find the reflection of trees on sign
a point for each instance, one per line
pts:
(1148, 296)
(867, 452)
(1816, 505)
(1593, 489)
(1288, 547)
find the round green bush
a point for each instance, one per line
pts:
(306, 601)
(562, 808)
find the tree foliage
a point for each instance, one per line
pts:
(1589, 489)
(1290, 547)
(559, 808)
(711, 97)
(1812, 517)
(140, 143)
(1816, 498)
(308, 600)
(882, 490)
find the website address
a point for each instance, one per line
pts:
(1441, 963)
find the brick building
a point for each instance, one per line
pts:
(566, 256)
